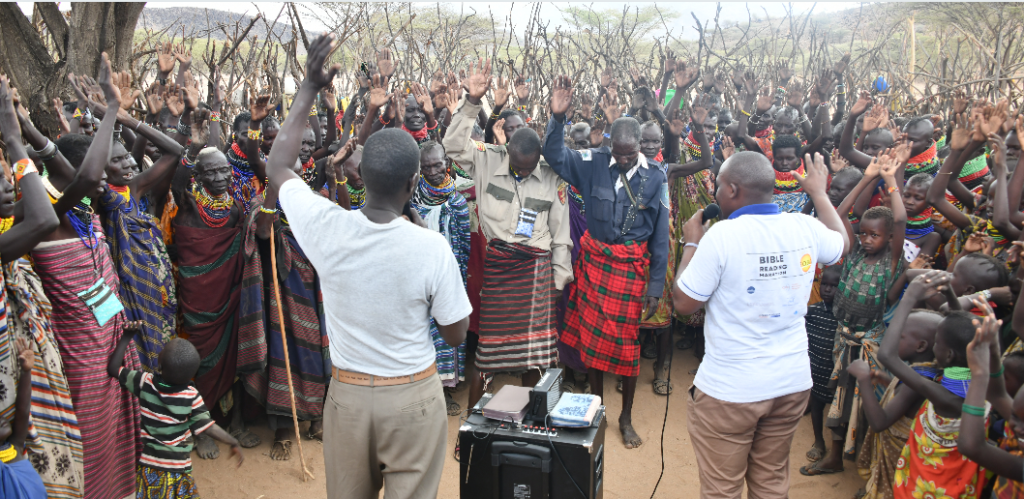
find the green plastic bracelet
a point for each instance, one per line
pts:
(1000, 373)
(973, 410)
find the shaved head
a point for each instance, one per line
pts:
(751, 171)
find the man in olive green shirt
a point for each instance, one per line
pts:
(527, 261)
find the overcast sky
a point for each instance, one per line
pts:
(731, 11)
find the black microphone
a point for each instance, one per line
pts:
(710, 211)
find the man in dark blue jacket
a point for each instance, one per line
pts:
(624, 253)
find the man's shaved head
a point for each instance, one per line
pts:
(751, 171)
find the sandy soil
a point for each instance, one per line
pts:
(630, 473)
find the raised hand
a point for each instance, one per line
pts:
(190, 87)
(437, 84)
(329, 99)
(888, 165)
(385, 64)
(670, 61)
(343, 154)
(499, 132)
(699, 113)
(838, 161)
(610, 107)
(453, 99)
(478, 78)
(677, 126)
(123, 80)
(962, 132)
(795, 96)
(587, 106)
(319, 51)
(993, 118)
(739, 76)
(902, 151)
(501, 92)
(607, 78)
(728, 148)
(165, 58)
(750, 83)
(105, 77)
(200, 126)
(784, 73)
(183, 56)
(998, 148)
(597, 133)
(874, 167)
(217, 99)
(423, 98)
(174, 98)
(686, 74)
(62, 121)
(927, 285)
(960, 101)
(260, 107)
(764, 101)
(155, 98)
(842, 64)
(376, 97)
(561, 95)
(522, 89)
(877, 117)
(864, 101)
(816, 179)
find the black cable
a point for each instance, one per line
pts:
(663, 423)
(547, 419)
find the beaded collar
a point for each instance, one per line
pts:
(920, 225)
(785, 181)
(308, 173)
(357, 197)
(215, 211)
(429, 195)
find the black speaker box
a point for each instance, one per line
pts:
(503, 460)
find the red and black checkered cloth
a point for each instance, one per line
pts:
(603, 316)
(517, 313)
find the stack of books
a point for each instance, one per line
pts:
(575, 410)
(508, 404)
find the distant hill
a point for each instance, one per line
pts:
(199, 22)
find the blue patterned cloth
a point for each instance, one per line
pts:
(446, 211)
(791, 202)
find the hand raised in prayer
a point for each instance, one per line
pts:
(561, 95)
(927, 285)
(319, 50)
(501, 92)
(499, 132)
(816, 178)
(478, 79)
(110, 91)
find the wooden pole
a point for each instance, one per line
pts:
(287, 362)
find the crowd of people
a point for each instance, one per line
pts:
(166, 283)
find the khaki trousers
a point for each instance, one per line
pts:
(736, 441)
(390, 436)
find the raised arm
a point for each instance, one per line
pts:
(899, 213)
(286, 147)
(1000, 206)
(972, 441)
(259, 109)
(567, 163)
(706, 160)
(920, 289)
(1016, 184)
(958, 141)
(39, 219)
(457, 142)
(814, 184)
(846, 150)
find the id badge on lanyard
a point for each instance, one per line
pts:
(527, 218)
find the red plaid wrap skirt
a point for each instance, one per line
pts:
(602, 319)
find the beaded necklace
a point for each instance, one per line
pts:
(7, 454)
(957, 380)
(126, 193)
(356, 197)
(516, 175)
(5, 224)
(920, 225)
(419, 135)
(215, 211)
(927, 370)
(693, 148)
(576, 197)
(785, 181)
(926, 162)
(81, 220)
(973, 174)
(308, 173)
(429, 195)
(764, 139)
(998, 238)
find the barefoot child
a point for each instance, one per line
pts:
(930, 460)
(171, 408)
(864, 292)
(821, 337)
(890, 419)
(983, 357)
(18, 479)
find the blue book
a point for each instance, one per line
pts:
(575, 410)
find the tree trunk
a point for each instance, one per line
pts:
(41, 76)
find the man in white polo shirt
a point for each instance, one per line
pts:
(753, 273)
(382, 278)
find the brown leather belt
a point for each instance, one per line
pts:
(361, 379)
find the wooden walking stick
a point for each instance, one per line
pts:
(287, 363)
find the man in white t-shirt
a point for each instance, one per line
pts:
(382, 278)
(753, 273)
